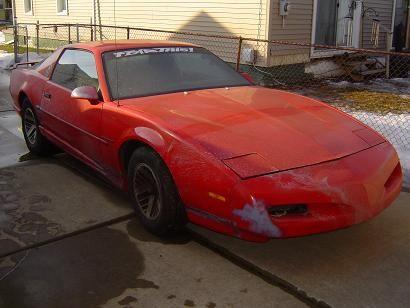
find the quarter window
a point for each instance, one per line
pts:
(75, 68)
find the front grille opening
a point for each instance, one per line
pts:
(395, 176)
(287, 210)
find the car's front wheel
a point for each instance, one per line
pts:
(35, 141)
(156, 199)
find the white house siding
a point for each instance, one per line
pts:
(225, 17)
(297, 28)
(45, 11)
(247, 18)
(79, 11)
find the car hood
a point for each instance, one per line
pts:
(255, 130)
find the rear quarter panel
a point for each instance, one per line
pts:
(29, 82)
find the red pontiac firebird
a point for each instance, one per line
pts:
(193, 140)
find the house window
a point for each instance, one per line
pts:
(326, 22)
(334, 22)
(62, 7)
(28, 6)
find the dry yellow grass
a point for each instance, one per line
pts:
(378, 102)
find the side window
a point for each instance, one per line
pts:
(75, 68)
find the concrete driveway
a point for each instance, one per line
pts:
(68, 239)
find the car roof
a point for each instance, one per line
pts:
(125, 44)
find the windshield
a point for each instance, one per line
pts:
(151, 71)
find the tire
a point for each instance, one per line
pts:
(154, 193)
(35, 141)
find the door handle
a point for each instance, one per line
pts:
(47, 95)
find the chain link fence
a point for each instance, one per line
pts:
(371, 85)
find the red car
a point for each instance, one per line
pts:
(192, 139)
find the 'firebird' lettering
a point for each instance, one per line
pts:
(142, 51)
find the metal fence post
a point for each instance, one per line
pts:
(16, 44)
(78, 32)
(69, 33)
(238, 57)
(128, 33)
(389, 44)
(38, 37)
(27, 43)
(91, 29)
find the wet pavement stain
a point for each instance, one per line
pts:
(7, 245)
(76, 272)
(35, 199)
(189, 303)
(137, 231)
(20, 218)
(31, 227)
(127, 300)
(145, 284)
(10, 264)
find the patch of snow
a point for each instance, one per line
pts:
(395, 85)
(32, 56)
(258, 218)
(340, 84)
(2, 38)
(7, 59)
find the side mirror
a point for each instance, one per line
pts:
(86, 92)
(247, 77)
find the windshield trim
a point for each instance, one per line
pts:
(247, 83)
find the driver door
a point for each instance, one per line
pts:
(76, 122)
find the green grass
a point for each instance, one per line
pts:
(10, 48)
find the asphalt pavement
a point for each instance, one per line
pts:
(69, 239)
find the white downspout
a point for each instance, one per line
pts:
(393, 18)
(13, 12)
(357, 23)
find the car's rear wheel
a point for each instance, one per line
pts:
(156, 199)
(35, 141)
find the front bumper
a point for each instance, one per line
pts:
(337, 194)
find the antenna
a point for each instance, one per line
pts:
(116, 59)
